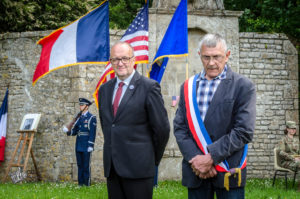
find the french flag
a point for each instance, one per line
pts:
(3, 125)
(84, 41)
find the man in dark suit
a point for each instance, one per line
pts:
(135, 125)
(214, 122)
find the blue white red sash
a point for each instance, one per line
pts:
(197, 127)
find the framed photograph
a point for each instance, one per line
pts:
(30, 121)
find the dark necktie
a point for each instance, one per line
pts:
(117, 98)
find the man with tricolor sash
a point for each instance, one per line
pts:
(214, 123)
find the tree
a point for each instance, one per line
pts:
(31, 15)
(128, 8)
(269, 16)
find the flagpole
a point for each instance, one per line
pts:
(186, 68)
(147, 70)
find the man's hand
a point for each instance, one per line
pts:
(211, 173)
(202, 163)
(90, 149)
(65, 129)
(203, 166)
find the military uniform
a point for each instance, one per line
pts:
(85, 129)
(288, 147)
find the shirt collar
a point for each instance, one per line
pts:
(84, 114)
(221, 76)
(127, 80)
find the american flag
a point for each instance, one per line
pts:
(175, 100)
(137, 36)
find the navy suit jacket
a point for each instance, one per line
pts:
(230, 122)
(135, 139)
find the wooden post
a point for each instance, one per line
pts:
(27, 137)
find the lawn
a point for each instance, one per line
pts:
(255, 189)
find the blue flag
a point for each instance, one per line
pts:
(3, 125)
(174, 43)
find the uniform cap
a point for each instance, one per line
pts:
(291, 125)
(83, 101)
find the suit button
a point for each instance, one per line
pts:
(113, 125)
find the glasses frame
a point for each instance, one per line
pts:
(215, 58)
(124, 60)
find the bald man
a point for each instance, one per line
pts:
(135, 125)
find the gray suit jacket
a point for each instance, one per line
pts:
(230, 122)
(135, 139)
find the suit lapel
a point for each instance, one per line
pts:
(109, 96)
(129, 92)
(219, 94)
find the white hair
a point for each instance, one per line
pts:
(211, 40)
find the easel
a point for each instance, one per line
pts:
(27, 137)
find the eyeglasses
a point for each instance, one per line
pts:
(125, 60)
(217, 58)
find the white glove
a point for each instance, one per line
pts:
(65, 129)
(90, 149)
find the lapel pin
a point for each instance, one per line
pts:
(131, 87)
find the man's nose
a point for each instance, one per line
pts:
(120, 63)
(211, 61)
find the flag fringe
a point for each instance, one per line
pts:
(160, 57)
(64, 66)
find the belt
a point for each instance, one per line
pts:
(83, 133)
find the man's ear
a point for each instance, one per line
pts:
(227, 55)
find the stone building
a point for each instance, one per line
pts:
(269, 60)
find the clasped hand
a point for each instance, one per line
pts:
(202, 166)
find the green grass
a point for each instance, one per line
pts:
(262, 189)
(255, 189)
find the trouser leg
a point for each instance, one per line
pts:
(125, 188)
(206, 191)
(233, 193)
(86, 168)
(79, 157)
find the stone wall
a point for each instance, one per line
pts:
(55, 96)
(269, 60)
